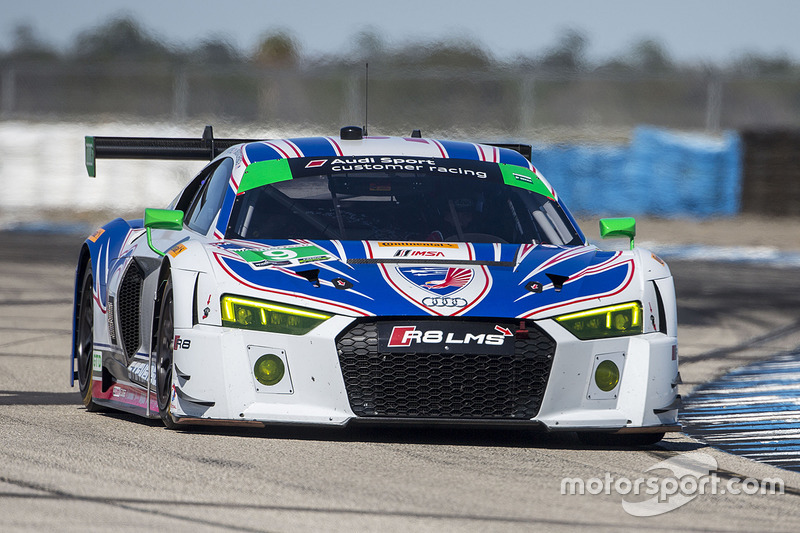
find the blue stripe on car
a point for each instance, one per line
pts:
(460, 150)
(261, 152)
(511, 157)
(314, 147)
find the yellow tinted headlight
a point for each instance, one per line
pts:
(611, 321)
(238, 312)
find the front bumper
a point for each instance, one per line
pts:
(214, 382)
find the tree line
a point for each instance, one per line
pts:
(125, 40)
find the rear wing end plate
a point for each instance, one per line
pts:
(186, 149)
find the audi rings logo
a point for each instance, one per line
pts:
(443, 301)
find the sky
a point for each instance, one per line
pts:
(691, 31)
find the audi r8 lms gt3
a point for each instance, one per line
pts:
(350, 279)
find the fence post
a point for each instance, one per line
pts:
(8, 88)
(180, 95)
(713, 101)
(354, 103)
(526, 105)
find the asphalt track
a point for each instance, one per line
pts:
(63, 469)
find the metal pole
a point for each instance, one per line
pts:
(713, 102)
(9, 92)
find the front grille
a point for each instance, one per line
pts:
(445, 385)
(128, 299)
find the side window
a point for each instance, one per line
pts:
(184, 199)
(206, 203)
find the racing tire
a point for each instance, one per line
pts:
(84, 339)
(164, 355)
(593, 438)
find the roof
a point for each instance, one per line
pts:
(380, 146)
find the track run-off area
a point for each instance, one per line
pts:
(64, 469)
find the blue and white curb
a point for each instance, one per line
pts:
(753, 411)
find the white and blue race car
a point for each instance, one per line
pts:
(356, 279)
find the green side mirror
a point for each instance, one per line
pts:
(618, 227)
(161, 219)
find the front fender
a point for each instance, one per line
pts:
(183, 263)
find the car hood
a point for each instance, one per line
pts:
(391, 278)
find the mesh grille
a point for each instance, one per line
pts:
(128, 310)
(444, 385)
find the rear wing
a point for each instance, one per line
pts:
(525, 149)
(206, 148)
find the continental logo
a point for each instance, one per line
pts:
(417, 245)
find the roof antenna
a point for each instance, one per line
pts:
(366, 99)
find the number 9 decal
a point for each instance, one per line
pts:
(280, 255)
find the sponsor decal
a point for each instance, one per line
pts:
(284, 256)
(417, 245)
(418, 253)
(181, 344)
(401, 164)
(139, 373)
(97, 361)
(176, 250)
(380, 163)
(127, 394)
(525, 179)
(444, 337)
(96, 235)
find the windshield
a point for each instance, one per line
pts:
(465, 201)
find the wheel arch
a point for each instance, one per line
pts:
(184, 296)
(84, 260)
(163, 276)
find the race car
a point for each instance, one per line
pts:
(357, 279)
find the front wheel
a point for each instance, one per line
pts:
(163, 355)
(84, 339)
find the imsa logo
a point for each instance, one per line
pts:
(418, 253)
